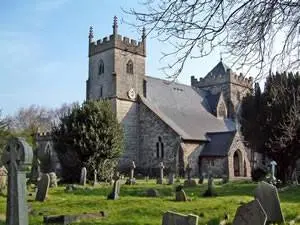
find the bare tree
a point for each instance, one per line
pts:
(254, 34)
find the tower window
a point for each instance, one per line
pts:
(129, 67)
(101, 67)
(159, 148)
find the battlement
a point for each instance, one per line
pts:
(43, 136)
(229, 77)
(117, 41)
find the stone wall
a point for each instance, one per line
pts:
(151, 128)
(127, 114)
(217, 165)
(192, 151)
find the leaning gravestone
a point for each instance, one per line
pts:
(268, 197)
(180, 195)
(250, 214)
(16, 157)
(3, 179)
(83, 176)
(114, 195)
(42, 188)
(173, 218)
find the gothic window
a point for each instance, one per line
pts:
(101, 67)
(222, 110)
(159, 148)
(129, 67)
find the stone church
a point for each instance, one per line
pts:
(166, 121)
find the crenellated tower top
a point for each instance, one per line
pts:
(117, 41)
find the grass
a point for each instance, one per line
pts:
(134, 207)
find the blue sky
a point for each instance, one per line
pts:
(44, 44)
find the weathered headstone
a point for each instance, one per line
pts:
(189, 181)
(35, 169)
(42, 188)
(95, 177)
(114, 195)
(210, 187)
(53, 179)
(83, 176)
(173, 218)
(171, 178)
(268, 197)
(68, 219)
(131, 179)
(180, 195)
(3, 179)
(161, 173)
(250, 214)
(152, 193)
(16, 157)
(273, 165)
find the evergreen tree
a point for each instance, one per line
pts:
(89, 136)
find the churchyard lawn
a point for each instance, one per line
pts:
(135, 208)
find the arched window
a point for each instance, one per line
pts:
(101, 67)
(129, 67)
(222, 110)
(159, 148)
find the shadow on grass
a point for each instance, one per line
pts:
(214, 221)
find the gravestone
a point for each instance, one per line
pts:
(35, 169)
(95, 177)
(152, 193)
(53, 179)
(250, 214)
(180, 195)
(114, 195)
(173, 218)
(3, 179)
(83, 176)
(42, 188)
(16, 157)
(171, 178)
(210, 187)
(268, 197)
(189, 181)
(161, 173)
(273, 165)
(131, 179)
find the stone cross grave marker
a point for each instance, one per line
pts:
(16, 157)
(273, 165)
(250, 214)
(268, 197)
(83, 176)
(189, 181)
(161, 173)
(42, 187)
(3, 179)
(189, 170)
(116, 188)
(173, 218)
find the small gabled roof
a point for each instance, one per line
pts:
(183, 109)
(219, 144)
(220, 69)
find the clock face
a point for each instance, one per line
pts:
(131, 94)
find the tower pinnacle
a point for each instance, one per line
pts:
(91, 34)
(115, 26)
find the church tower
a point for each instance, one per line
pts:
(116, 73)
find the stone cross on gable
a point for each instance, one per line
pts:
(17, 155)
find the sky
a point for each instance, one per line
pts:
(44, 46)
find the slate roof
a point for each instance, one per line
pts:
(183, 109)
(212, 101)
(219, 144)
(219, 69)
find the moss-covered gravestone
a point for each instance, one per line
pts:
(16, 157)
